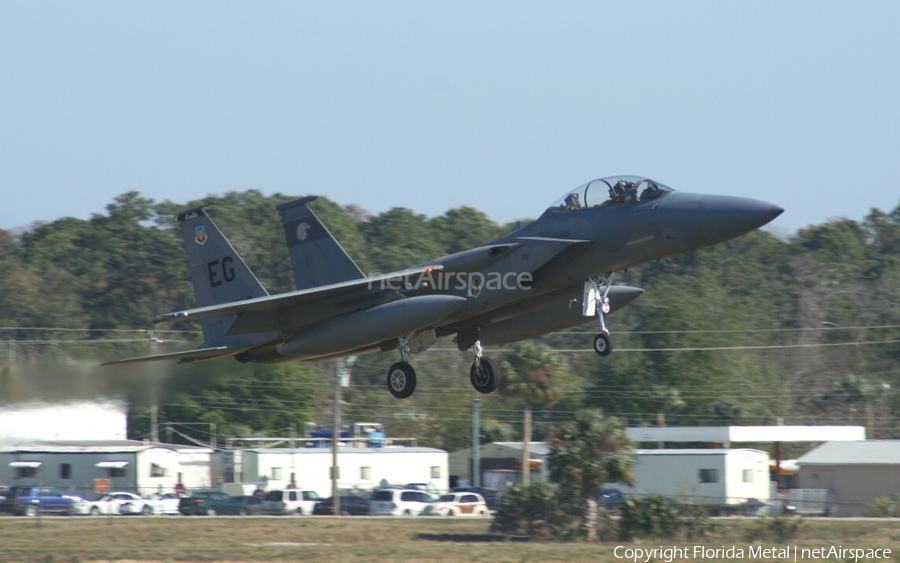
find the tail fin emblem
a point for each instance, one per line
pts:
(302, 229)
(200, 235)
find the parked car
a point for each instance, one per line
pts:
(209, 502)
(491, 496)
(398, 502)
(458, 504)
(350, 504)
(249, 505)
(290, 501)
(80, 505)
(611, 499)
(117, 503)
(165, 503)
(427, 487)
(29, 500)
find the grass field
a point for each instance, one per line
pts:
(177, 539)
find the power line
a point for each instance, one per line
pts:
(63, 329)
(737, 330)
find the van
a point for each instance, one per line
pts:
(398, 502)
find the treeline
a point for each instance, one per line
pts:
(755, 331)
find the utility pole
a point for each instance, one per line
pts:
(526, 445)
(154, 423)
(292, 444)
(476, 442)
(336, 436)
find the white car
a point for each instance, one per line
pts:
(290, 501)
(398, 502)
(165, 503)
(118, 503)
(458, 504)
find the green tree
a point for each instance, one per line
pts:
(240, 399)
(585, 454)
(399, 238)
(464, 228)
(531, 373)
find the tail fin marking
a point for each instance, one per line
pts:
(316, 257)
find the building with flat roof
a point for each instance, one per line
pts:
(501, 464)
(125, 465)
(746, 434)
(854, 473)
(310, 468)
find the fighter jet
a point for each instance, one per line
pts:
(555, 273)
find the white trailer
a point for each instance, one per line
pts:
(362, 468)
(713, 477)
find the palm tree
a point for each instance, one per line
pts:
(532, 373)
(586, 453)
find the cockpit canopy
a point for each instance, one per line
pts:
(612, 190)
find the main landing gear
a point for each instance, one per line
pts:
(484, 373)
(401, 377)
(596, 302)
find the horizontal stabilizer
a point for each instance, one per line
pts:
(187, 355)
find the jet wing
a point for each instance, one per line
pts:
(274, 303)
(186, 356)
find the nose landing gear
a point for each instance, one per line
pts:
(596, 302)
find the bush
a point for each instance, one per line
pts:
(527, 510)
(650, 517)
(883, 507)
(777, 529)
(695, 521)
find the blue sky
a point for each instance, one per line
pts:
(503, 106)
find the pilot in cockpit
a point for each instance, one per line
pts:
(624, 191)
(572, 202)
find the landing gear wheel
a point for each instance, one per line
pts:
(401, 380)
(485, 375)
(602, 344)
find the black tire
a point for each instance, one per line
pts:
(95, 511)
(602, 344)
(146, 511)
(485, 377)
(401, 380)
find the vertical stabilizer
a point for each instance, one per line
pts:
(316, 256)
(219, 275)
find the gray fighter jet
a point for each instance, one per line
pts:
(552, 274)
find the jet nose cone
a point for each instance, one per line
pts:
(719, 218)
